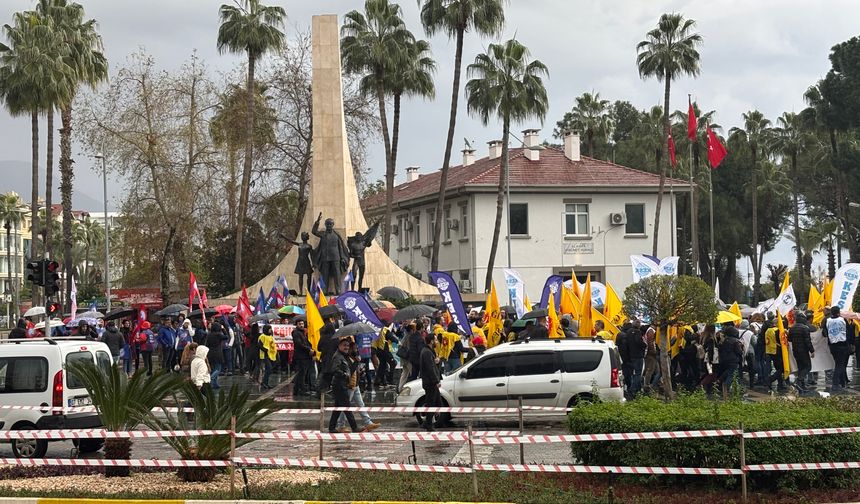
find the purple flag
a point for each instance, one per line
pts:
(553, 284)
(261, 302)
(451, 297)
(358, 309)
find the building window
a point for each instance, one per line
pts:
(447, 227)
(431, 228)
(576, 219)
(400, 232)
(635, 218)
(464, 221)
(416, 228)
(407, 228)
(519, 217)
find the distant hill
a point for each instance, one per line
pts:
(16, 176)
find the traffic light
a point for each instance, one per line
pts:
(54, 310)
(52, 278)
(36, 273)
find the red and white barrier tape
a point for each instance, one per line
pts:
(316, 411)
(115, 462)
(374, 436)
(554, 468)
(800, 432)
(803, 466)
(345, 464)
(105, 434)
(620, 436)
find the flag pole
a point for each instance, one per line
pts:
(713, 254)
(694, 254)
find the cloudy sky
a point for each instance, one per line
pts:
(756, 54)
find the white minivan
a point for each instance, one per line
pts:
(549, 372)
(33, 374)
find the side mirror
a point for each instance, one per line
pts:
(462, 376)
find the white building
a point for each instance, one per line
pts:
(567, 212)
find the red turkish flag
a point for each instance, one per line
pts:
(672, 152)
(243, 309)
(692, 122)
(192, 289)
(716, 150)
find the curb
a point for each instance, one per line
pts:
(41, 500)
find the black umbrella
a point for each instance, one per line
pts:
(535, 314)
(413, 312)
(121, 312)
(376, 305)
(393, 293)
(330, 311)
(265, 316)
(199, 313)
(508, 309)
(171, 310)
(355, 328)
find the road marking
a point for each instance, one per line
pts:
(482, 453)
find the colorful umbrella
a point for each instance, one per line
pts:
(291, 310)
(224, 308)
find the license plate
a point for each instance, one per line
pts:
(76, 402)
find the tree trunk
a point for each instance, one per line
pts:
(694, 195)
(231, 188)
(449, 142)
(590, 134)
(662, 166)
(34, 197)
(395, 142)
(67, 175)
(87, 263)
(831, 258)
(754, 255)
(246, 175)
(8, 289)
(665, 363)
(801, 295)
(49, 186)
(500, 204)
(165, 269)
(389, 165)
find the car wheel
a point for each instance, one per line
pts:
(443, 417)
(579, 399)
(89, 445)
(29, 448)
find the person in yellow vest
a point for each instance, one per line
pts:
(601, 331)
(771, 349)
(268, 354)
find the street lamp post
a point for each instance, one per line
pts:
(107, 231)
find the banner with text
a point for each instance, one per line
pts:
(516, 291)
(358, 309)
(553, 285)
(645, 266)
(452, 299)
(845, 284)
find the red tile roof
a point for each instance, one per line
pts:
(553, 169)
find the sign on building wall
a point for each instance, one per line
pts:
(578, 247)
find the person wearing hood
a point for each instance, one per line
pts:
(801, 347)
(184, 336)
(731, 354)
(20, 330)
(214, 339)
(147, 345)
(114, 340)
(200, 372)
(748, 338)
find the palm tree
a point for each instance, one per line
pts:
(755, 132)
(807, 247)
(788, 141)
(375, 44)
(92, 234)
(668, 52)
(592, 116)
(32, 80)
(504, 83)
(87, 65)
(11, 216)
(414, 77)
(254, 29)
(213, 411)
(455, 18)
(122, 402)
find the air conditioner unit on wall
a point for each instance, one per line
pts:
(453, 223)
(617, 218)
(426, 251)
(395, 230)
(466, 285)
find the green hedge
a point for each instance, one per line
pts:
(695, 412)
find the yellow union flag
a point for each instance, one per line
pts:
(493, 317)
(586, 326)
(613, 309)
(555, 331)
(315, 322)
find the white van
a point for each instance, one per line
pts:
(33, 373)
(549, 372)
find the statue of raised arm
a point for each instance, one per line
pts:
(357, 245)
(331, 256)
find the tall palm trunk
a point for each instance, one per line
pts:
(662, 166)
(449, 143)
(49, 183)
(802, 294)
(395, 131)
(34, 195)
(67, 175)
(500, 203)
(389, 164)
(8, 226)
(246, 175)
(754, 254)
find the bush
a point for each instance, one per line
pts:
(696, 412)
